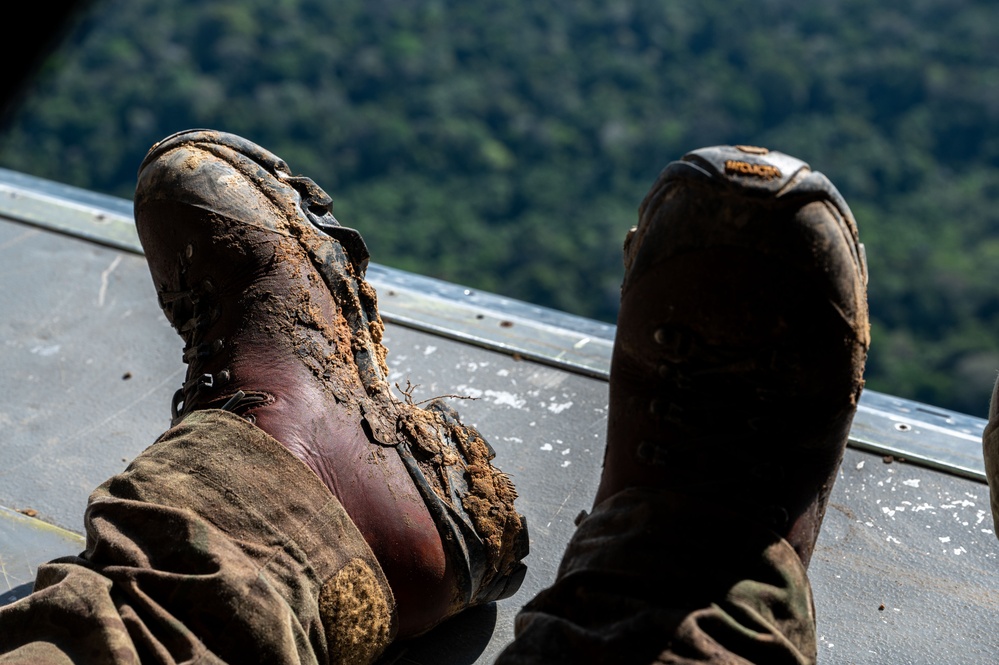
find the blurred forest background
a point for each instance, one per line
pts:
(507, 144)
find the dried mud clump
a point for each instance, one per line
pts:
(459, 461)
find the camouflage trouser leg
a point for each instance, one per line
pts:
(652, 578)
(215, 545)
(990, 449)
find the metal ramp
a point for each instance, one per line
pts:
(905, 570)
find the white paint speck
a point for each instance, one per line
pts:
(559, 408)
(429, 350)
(911, 483)
(566, 463)
(893, 539)
(547, 447)
(503, 372)
(860, 464)
(46, 351)
(959, 551)
(944, 539)
(503, 398)
(497, 397)
(566, 451)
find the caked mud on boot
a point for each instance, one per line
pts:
(741, 340)
(267, 290)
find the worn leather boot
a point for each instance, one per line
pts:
(741, 341)
(280, 327)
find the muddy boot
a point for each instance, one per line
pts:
(741, 340)
(280, 327)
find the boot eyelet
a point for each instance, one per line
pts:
(652, 454)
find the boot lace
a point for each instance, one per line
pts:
(192, 311)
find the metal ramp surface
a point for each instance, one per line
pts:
(905, 570)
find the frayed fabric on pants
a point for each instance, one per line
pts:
(217, 545)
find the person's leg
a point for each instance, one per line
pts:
(651, 577)
(990, 450)
(215, 545)
(297, 511)
(736, 372)
(267, 289)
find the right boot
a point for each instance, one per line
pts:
(267, 291)
(741, 341)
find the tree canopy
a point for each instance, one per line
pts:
(507, 145)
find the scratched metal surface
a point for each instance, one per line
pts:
(78, 318)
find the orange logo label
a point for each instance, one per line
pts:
(764, 171)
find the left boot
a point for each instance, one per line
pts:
(267, 290)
